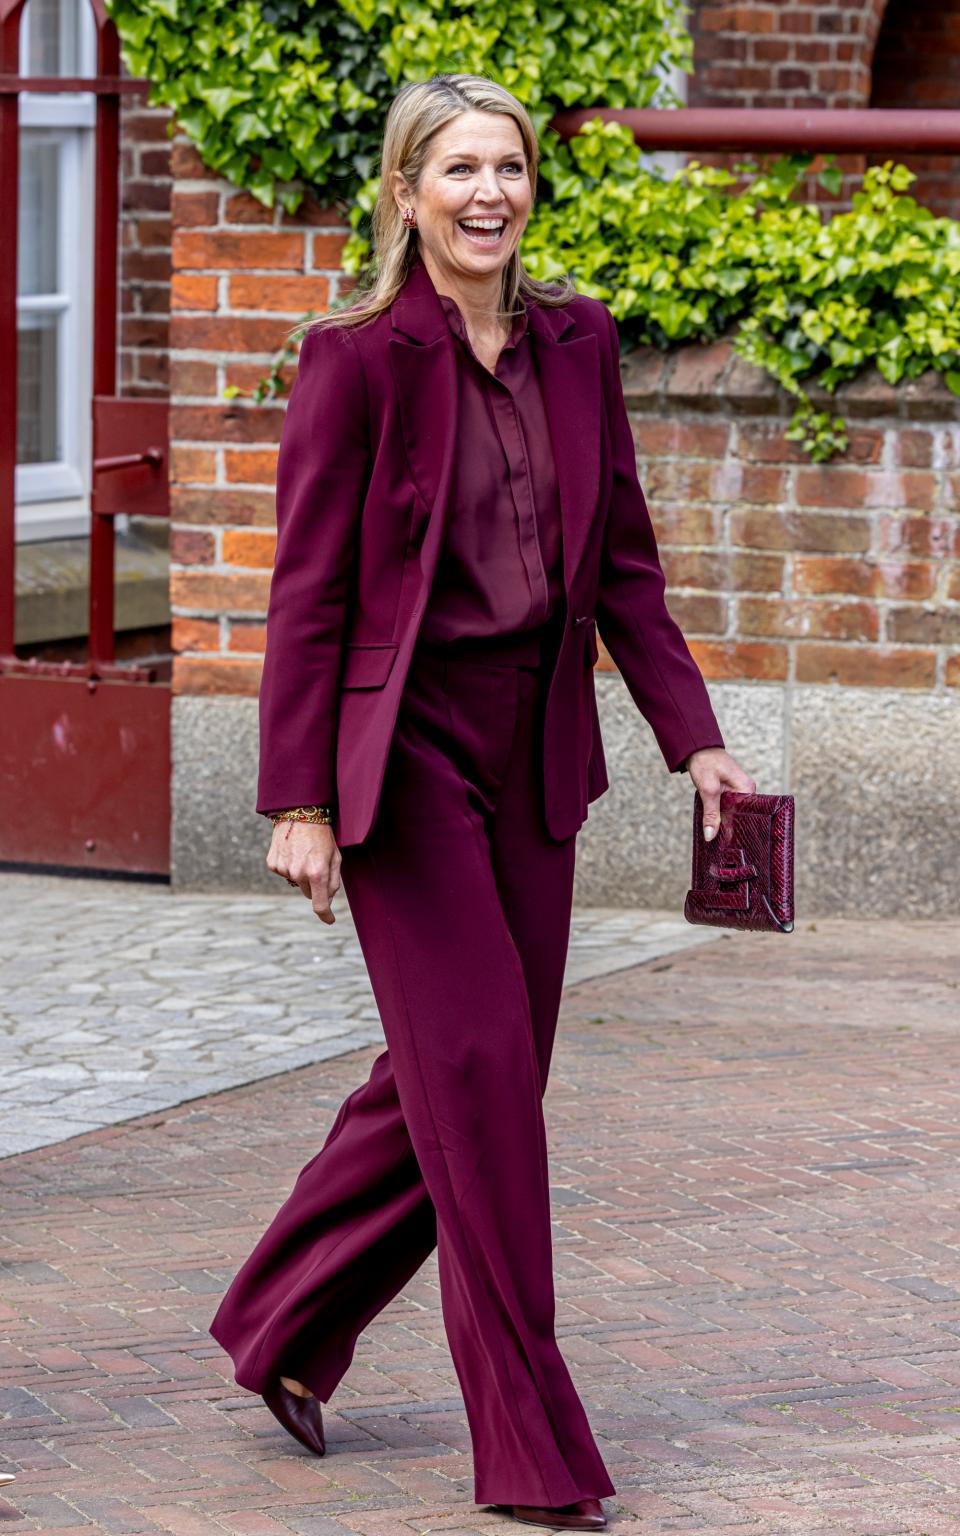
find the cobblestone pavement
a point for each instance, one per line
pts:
(119, 999)
(755, 1188)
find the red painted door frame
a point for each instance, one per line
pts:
(84, 746)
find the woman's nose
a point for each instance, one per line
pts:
(488, 187)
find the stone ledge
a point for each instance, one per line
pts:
(53, 587)
(831, 746)
(712, 378)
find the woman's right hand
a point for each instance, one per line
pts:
(306, 855)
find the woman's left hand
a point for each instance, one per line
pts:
(713, 770)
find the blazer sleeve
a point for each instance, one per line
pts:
(322, 474)
(632, 616)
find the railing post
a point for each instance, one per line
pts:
(10, 183)
(106, 214)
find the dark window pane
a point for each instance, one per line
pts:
(37, 414)
(52, 31)
(39, 232)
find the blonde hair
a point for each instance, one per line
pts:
(416, 113)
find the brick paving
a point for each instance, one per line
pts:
(755, 1184)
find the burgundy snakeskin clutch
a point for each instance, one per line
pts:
(744, 878)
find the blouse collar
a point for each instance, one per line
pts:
(417, 312)
(455, 316)
(459, 326)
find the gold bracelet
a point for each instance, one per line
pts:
(317, 815)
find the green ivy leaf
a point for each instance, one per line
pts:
(222, 99)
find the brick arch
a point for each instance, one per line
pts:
(874, 12)
(916, 63)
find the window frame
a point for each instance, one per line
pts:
(53, 497)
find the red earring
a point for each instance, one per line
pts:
(409, 218)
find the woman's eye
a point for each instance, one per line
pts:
(511, 165)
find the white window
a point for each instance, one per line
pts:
(55, 274)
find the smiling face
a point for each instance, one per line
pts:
(476, 171)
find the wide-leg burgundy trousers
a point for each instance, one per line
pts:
(462, 906)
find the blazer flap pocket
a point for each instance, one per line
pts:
(367, 666)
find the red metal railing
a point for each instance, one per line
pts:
(842, 131)
(85, 747)
(9, 178)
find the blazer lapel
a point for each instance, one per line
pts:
(424, 368)
(423, 364)
(571, 382)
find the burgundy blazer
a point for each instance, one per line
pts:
(363, 486)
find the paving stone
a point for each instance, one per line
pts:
(226, 990)
(765, 1344)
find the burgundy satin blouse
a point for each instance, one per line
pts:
(501, 565)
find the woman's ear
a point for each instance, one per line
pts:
(402, 195)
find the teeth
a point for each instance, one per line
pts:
(482, 223)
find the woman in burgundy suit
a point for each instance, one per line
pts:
(458, 509)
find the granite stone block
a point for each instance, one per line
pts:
(218, 840)
(876, 773)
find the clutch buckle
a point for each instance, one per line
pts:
(733, 872)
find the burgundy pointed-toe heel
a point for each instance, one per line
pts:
(582, 1515)
(301, 1417)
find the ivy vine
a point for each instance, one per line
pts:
(290, 95)
(284, 95)
(815, 301)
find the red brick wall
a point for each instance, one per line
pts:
(144, 302)
(778, 568)
(783, 53)
(242, 276)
